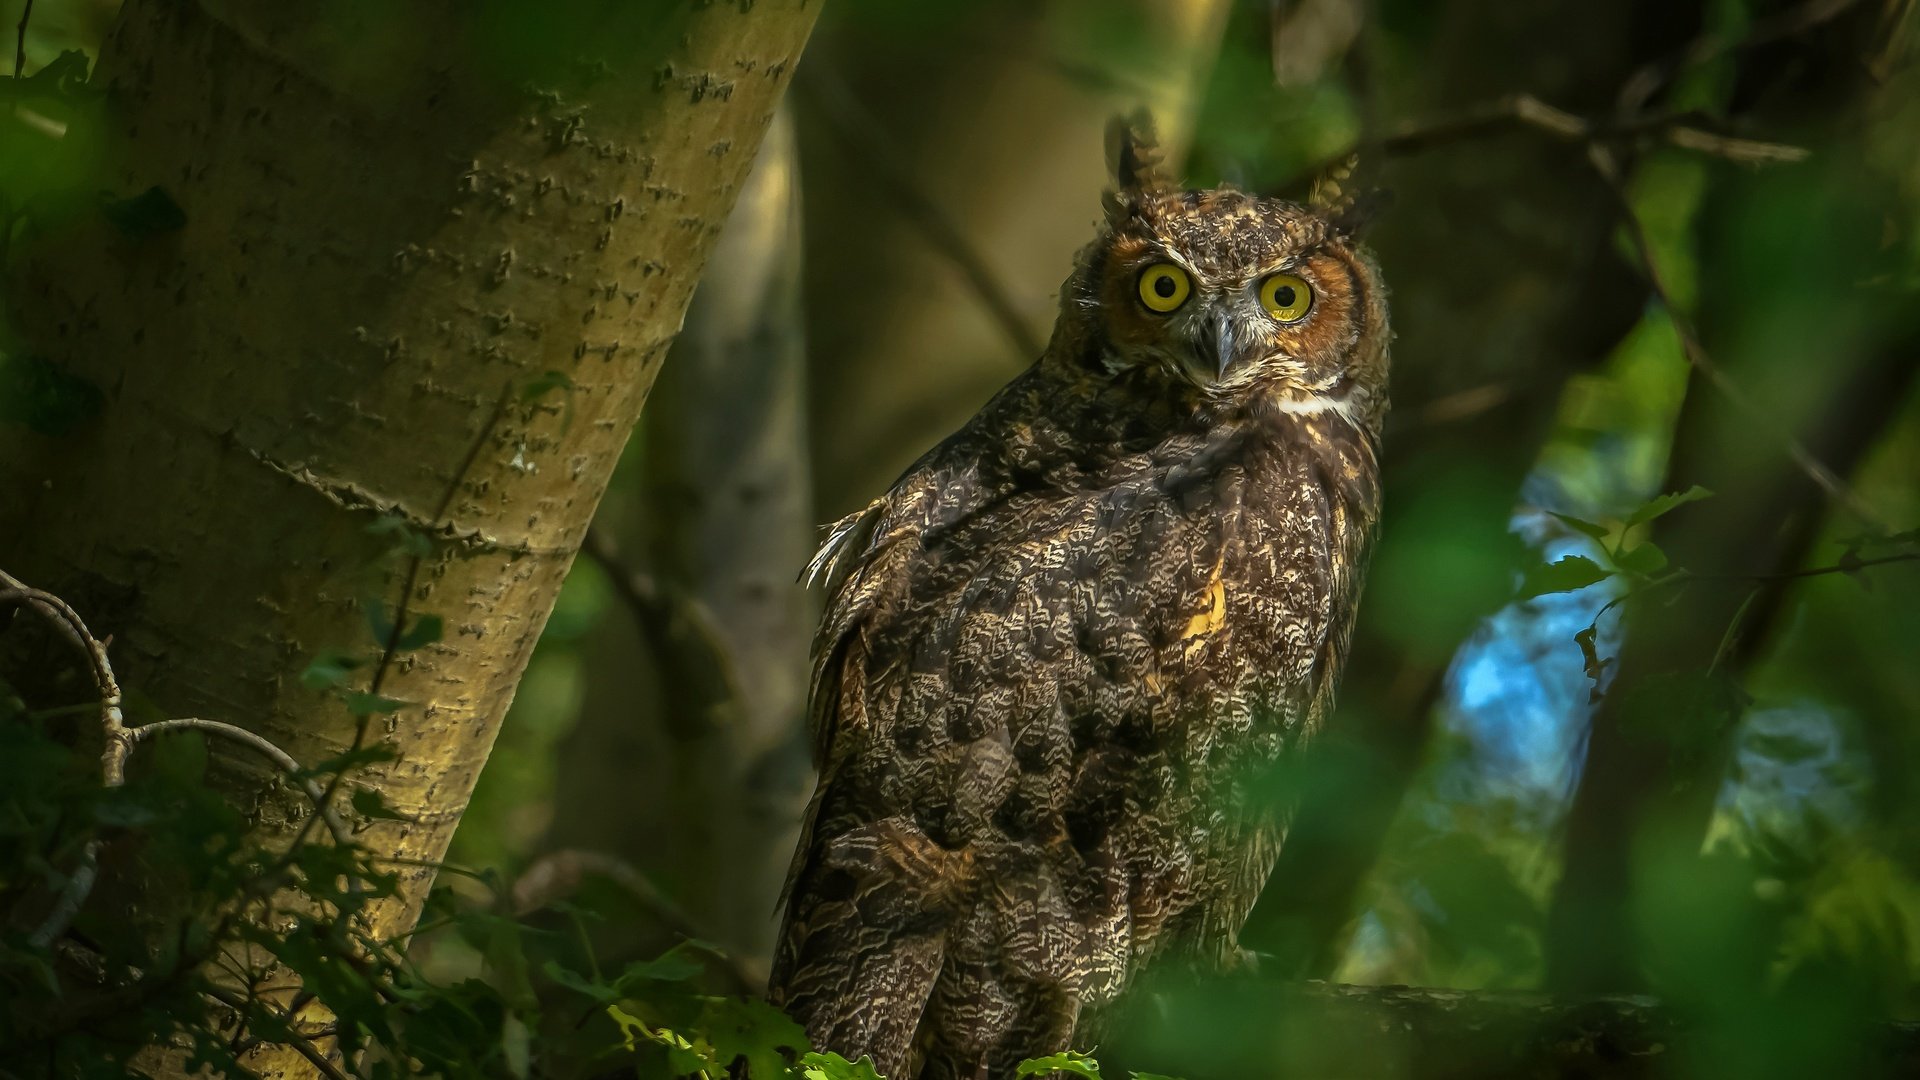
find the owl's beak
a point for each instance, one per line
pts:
(1217, 344)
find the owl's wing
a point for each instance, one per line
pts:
(848, 992)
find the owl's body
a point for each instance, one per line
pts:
(1064, 651)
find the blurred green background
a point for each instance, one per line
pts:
(1712, 798)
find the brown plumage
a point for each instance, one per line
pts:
(1061, 651)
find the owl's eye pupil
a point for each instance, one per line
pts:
(1165, 287)
(1283, 296)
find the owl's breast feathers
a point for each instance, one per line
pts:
(1055, 658)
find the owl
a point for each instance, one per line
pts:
(1060, 655)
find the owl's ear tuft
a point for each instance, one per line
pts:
(1133, 158)
(1347, 208)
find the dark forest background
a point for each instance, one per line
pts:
(1634, 706)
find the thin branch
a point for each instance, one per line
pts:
(1685, 128)
(858, 129)
(1650, 79)
(682, 633)
(120, 741)
(1844, 566)
(79, 885)
(74, 628)
(300, 1043)
(258, 744)
(1697, 355)
(20, 40)
(403, 607)
(73, 896)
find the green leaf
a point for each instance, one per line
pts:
(1645, 560)
(379, 622)
(1153, 1076)
(630, 1026)
(151, 211)
(425, 630)
(677, 964)
(579, 983)
(370, 803)
(1661, 504)
(1570, 573)
(328, 670)
(753, 1030)
(352, 759)
(1581, 525)
(361, 703)
(1070, 1062)
(43, 398)
(831, 1066)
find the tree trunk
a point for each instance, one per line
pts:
(721, 518)
(429, 265)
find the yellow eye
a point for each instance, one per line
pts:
(1286, 297)
(1164, 287)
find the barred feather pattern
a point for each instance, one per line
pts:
(1063, 654)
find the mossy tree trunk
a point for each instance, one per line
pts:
(432, 257)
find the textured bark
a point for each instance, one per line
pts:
(722, 518)
(394, 230)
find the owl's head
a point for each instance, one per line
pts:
(1234, 295)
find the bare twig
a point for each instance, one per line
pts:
(69, 623)
(120, 741)
(1686, 129)
(300, 1043)
(20, 40)
(1643, 84)
(260, 745)
(1696, 353)
(1845, 566)
(682, 633)
(403, 607)
(73, 896)
(858, 129)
